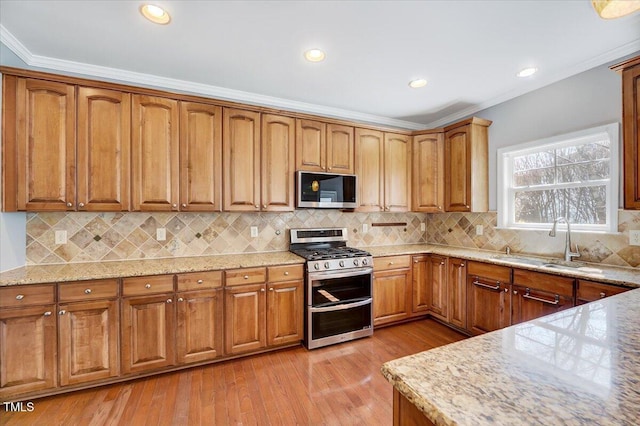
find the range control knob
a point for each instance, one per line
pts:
(342, 264)
(316, 266)
(355, 262)
(365, 261)
(326, 265)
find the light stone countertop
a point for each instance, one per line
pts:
(36, 274)
(131, 268)
(580, 366)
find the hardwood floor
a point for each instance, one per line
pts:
(335, 385)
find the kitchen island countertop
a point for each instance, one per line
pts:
(580, 366)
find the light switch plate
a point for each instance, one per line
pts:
(161, 234)
(365, 228)
(61, 237)
(634, 238)
(254, 231)
(423, 226)
(479, 229)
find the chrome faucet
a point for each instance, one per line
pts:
(568, 254)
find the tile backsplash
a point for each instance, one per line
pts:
(129, 236)
(459, 229)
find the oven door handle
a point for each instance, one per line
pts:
(349, 273)
(341, 307)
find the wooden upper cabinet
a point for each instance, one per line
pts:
(278, 168)
(322, 147)
(104, 145)
(200, 157)
(311, 145)
(340, 149)
(466, 166)
(155, 153)
(241, 160)
(631, 130)
(397, 172)
(428, 173)
(369, 154)
(45, 144)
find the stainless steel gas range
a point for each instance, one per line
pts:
(338, 290)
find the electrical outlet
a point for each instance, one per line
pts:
(161, 234)
(423, 226)
(254, 231)
(61, 237)
(634, 238)
(479, 229)
(365, 228)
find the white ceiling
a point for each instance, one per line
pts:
(251, 51)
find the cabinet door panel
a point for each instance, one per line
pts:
(155, 153)
(46, 145)
(421, 288)
(27, 350)
(437, 277)
(278, 169)
(535, 304)
(200, 157)
(457, 289)
(148, 328)
(340, 149)
(104, 144)
(285, 313)
(311, 145)
(370, 170)
(391, 296)
(241, 157)
(199, 327)
(428, 173)
(489, 305)
(397, 172)
(457, 170)
(631, 139)
(88, 336)
(245, 310)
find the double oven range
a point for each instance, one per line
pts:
(338, 286)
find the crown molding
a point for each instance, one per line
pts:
(610, 55)
(150, 80)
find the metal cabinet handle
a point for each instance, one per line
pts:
(262, 290)
(20, 297)
(147, 285)
(47, 314)
(554, 302)
(169, 301)
(506, 290)
(286, 272)
(602, 295)
(69, 205)
(81, 205)
(442, 262)
(390, 263)
(257, 206)
(174, 205)
(515, 291)
(87, 291)
(184, 206)
(180, 299)
(462, 265)
(246, 277)
(479, 284)
(271, 289)
(200, 281)
(264, 206)
(62, 312)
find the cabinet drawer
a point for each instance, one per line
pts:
(545, 282)
(139, 286)
(199, 280)
(245, 276)
(489, 271)
(88, 290)
(391, 262)
(591, 291)
(16, 296)
(285, 273)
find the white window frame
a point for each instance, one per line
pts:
(506, 192)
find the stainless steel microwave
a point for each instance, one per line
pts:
(326, 190)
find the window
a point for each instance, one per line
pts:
(574, 176)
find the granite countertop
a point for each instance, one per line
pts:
(97, 270)
(578, 366)
(132, 268)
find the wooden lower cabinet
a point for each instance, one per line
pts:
(148, 333)
(285, 312)
(27, 350)
(199, 325)
(437, 277)
(244, 323)
(391, 289)
(88, 341)
(488, 297)
(537, 294)
(589, 291)
(420, 285)
(457, 293)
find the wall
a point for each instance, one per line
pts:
(130, 236)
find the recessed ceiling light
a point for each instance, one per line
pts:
(314, 55)
(155, 14)
(612, 9)
(415, 84)
(527, 72)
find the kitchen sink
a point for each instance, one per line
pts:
(520, 259)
